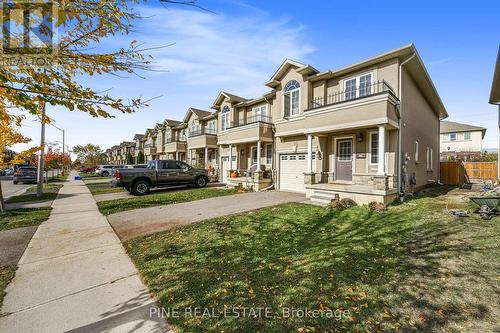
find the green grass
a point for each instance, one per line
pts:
(410, 268)
(23, 217)
(46, 187)
(161, 198)
(102, 188)
(32, 197)
(6, 274)
(90, 175)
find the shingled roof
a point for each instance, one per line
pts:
(451, 127)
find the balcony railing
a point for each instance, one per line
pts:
(149, 145)
(251, 120)
(175, 140)
(352, 94)
(208, 131)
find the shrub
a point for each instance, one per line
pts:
(342, 204)
(377, 206)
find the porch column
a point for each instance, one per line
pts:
(258, 155)
(177, 155)
(230, 157)
(206, 157)
(309, 154)
(190, 156)
(381, 150)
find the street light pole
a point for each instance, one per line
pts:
(39, 184)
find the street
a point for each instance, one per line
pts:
(10, 189)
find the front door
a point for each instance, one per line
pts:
(343, 162)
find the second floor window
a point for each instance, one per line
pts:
(225, 118)
(358, 87)
(291, 98)
(259, 113)
(212, 127)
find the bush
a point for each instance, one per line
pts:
(377, 206)
(343, 204)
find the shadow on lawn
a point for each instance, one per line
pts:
(385, 268)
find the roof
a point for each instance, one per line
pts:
(257, 100)
(302, 69)
(138, 136)
(451, 126)
(223, 95)
(171, 122)
(495, 85)
(201, 114)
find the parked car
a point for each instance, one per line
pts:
(87, 169)
(9, 171)
(139, 181)
(106, 170)
(25, 174)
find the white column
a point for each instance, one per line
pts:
(309, 153)
(177, 155)
(230, 157)
(190, 156)
(381, 150)
(258, 155)
(206, 157)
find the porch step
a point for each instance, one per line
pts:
(322, 198)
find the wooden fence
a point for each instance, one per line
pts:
(457, 172)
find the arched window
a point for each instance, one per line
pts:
(291, 98)
(225, 118)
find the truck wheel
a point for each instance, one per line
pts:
(105, 174)
(128, 189)
(140, 187)
(201, 181)
(15, 182)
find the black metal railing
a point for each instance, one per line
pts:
(251, 120)
(171, 140)
(351, 94)
(149, 145)
(207, 131)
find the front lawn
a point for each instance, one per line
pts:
(32, 197)
(85, 175)
(23, 217)
(47, 187)
(102, 188)
(411, 268)
(158, 198)
(6, 274)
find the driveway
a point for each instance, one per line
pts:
(145, 221)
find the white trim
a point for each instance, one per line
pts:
(369, 154)
(353, 160)
(417, 152)
(357, 79)
(291, 106)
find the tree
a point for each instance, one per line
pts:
(54, 159)
(140, 158)
(130, 159)
(90, 155)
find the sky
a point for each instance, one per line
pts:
(238, 45)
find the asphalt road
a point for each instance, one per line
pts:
(9, 189)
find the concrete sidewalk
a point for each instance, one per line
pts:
(76, 276)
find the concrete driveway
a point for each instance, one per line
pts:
(145, 221)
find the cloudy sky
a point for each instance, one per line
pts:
(239, 45)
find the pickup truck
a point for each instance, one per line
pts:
(159, 173)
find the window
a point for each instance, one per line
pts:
(254, 155)
(183, 135)
(225, 119)
(432, 160)
(428, 159)
(467, 136)
(293, 157)
(416, 151)
(269, 154)
(259, 113)
(358, 86)
(302, 157)
(212, 127)
(284, 157)
(373, 148)
(291, 98)
(168, 135)
(194, 128)
(453, 136)
(345, 150)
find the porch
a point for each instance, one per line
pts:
(361, 194)
(206, 157)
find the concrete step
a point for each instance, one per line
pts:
(324, 199)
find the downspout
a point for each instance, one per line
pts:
(400, 123)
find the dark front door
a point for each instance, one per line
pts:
(343, 162)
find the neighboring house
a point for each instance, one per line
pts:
(460, 141)
(495, 100)
(150, 145)
(139, 145)
(202, 138)
(175, 141)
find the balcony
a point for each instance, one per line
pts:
(173, 146)
(367, 106)
(149, 150)
(202, 138)
(250, 129)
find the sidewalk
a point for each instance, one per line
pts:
(75, 276)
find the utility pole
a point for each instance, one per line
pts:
(39, 184)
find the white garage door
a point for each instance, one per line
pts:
(292, 168)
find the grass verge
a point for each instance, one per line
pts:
(410, 268)
(32, 197)
(6, 274)
(23, 217)
(102, 188)
(162, 198)
(46, 187)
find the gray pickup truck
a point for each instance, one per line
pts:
(160, 173)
